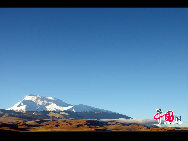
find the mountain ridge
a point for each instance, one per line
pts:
(44, 105)
(33, 102)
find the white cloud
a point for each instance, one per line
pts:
(136, 120)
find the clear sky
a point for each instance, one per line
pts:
(126, 60)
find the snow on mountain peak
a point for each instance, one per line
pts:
(51, 98)
(40, 103)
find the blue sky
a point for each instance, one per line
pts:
(127, 60)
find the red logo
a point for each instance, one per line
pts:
(169, 117)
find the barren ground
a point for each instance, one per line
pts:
(20, 125)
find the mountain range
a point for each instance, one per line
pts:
(48, 105)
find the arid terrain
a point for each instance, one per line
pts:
(19, 125)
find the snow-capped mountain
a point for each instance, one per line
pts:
(42, 103)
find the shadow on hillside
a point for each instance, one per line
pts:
(12, 128)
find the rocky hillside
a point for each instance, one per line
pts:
(32, 115)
